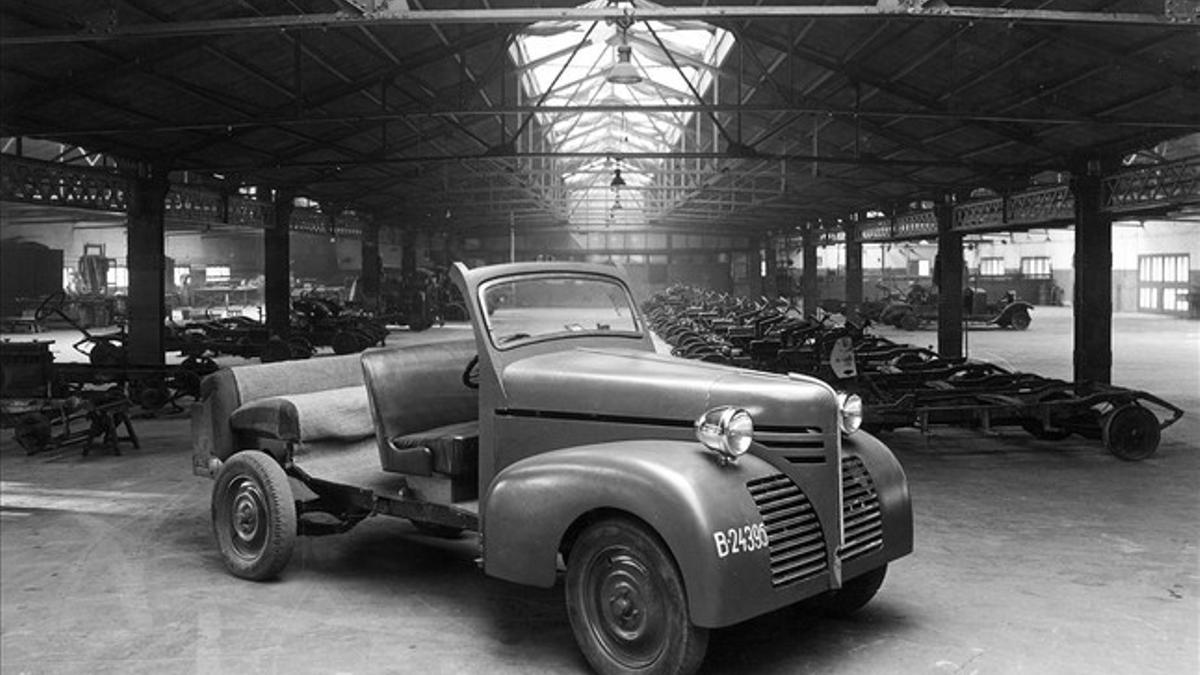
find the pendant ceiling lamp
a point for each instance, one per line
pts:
(623, 71)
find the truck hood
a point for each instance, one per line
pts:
(645, 385)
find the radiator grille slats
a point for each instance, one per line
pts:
(861, 517)
(796, 542)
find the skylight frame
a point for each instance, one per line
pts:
(698, 49)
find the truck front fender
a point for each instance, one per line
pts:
(1006, 314)
(895, 504)
(677, 488)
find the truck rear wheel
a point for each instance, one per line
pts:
(627, 604)
(254, 516)
(1020, 319)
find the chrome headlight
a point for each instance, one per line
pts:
(726, 430)
(850, 413)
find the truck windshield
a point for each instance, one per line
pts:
(535, 307)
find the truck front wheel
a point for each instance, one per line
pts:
(854, 594)
(626, 602)
(254, 516)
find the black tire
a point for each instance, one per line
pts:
(152, 394)
(33, 432)
(1020, 320)
(627, 604)
(275, 350)
(909, 321)
(254, 516)
(1131, 433)
(300, 348)
(437, 530)
(854, 594)
(200, 365)
(346, 342)
(107, 353)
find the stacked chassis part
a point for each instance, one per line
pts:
(902, 385)
(315, 322)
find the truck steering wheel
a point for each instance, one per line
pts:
(51, 305)
(470, 374)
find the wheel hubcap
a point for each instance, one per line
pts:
(246, 518)
(625, 608)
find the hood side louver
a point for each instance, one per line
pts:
(861, 516)
(796, 542)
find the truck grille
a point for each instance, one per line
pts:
(796, 542)
(861, 517)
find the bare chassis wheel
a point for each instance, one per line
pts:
(1131, 432)
(254, 516)
(626, 602)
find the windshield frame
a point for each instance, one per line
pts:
(637, 333)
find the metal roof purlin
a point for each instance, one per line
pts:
(677, 68)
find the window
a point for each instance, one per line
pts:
(991, 267)
(1036, 268)
(216, 273)
(556, 306)
(1163, 283)
(117, 277)
(739, 269)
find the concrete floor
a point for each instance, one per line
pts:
(1031, 557)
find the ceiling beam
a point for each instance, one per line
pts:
(712, 13)
(1183, 123)
(864, 160)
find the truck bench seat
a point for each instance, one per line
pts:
(426, 419)
(452, 450)
(334, 414)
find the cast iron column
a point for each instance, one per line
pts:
(147, 285)
(808, 271)
(371, 266)
(277, 268)
(950, 281)
(408, 251)
(854, 268)
(1093, 278)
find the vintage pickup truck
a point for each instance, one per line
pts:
(680, 496)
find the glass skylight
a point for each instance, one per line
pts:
(565, 63)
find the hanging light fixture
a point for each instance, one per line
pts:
(617, 182)
(623, 71)
(615, 186)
